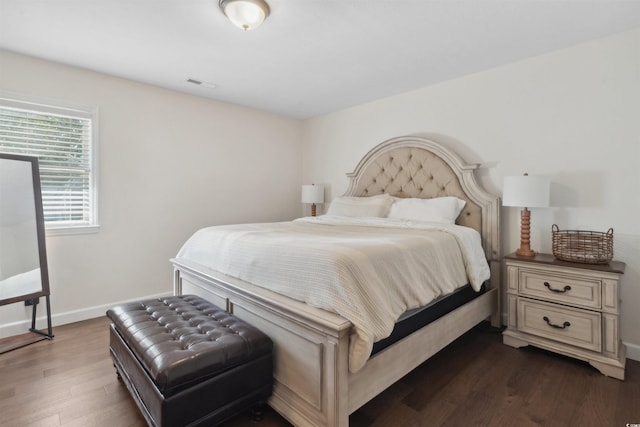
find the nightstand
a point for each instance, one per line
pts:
(568, 308)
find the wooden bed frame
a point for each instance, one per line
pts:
(313, 384)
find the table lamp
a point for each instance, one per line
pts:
(525, 191)
(312, 194)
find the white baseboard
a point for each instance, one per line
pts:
(59, 319)
(633, 351)
(16, 328)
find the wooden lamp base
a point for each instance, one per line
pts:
(525, 234)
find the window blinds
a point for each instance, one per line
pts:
(62, 144)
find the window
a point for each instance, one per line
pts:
(63, 139)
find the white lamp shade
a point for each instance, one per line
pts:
(313, 193)
(245, 14)
(527, 191)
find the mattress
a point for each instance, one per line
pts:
(415, 319)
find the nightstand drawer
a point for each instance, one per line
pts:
(581, 328)
(565, 289)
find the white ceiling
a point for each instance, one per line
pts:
(310, 57)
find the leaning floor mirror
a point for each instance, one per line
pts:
(24, 275)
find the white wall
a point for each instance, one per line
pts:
(571, 114)
(169, 164)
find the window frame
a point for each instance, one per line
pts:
(54, 106)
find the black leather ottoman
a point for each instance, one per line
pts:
(187, 362)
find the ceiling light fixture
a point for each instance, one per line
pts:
(245, 14)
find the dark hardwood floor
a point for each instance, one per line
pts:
(476, 381)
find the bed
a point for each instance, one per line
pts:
(316, 381)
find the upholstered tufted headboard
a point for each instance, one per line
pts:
(417, 167)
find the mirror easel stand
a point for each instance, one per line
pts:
(49, 333)
(34, 335)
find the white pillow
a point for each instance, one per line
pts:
(438, 209)
(375, 206)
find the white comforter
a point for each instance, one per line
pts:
(21, 284)
(369, 271)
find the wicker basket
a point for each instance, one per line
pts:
(587, 247)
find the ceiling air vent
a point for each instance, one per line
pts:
(201, 83)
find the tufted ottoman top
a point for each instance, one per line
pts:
(184, 340)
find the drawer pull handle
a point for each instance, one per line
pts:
(564, 325)
(560, 291)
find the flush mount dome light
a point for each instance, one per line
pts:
(245, 14)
